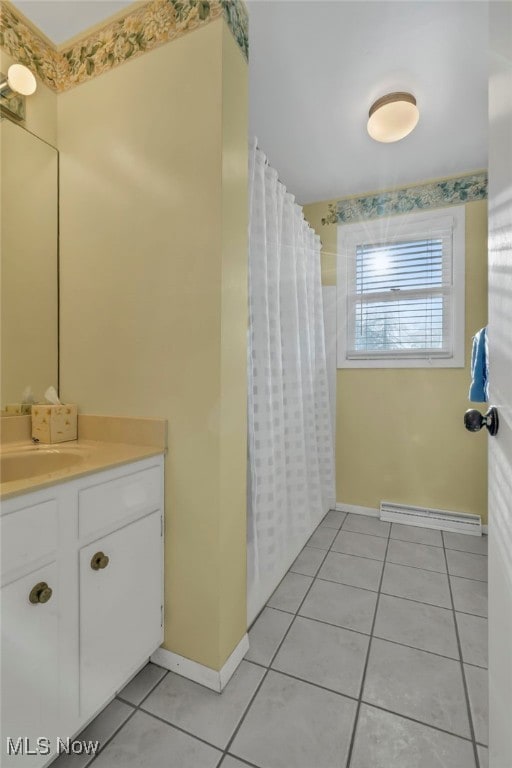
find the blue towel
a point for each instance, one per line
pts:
(479, 388)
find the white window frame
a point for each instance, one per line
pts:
(379, 231)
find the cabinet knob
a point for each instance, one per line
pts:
(41, 593)
(99, 561)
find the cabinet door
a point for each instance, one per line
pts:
(29, 667)
(120, 608)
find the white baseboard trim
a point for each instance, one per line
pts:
(354, 509)
(210, 678)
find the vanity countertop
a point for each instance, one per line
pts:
(88, 456)
(103, 442)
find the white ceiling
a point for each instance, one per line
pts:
(316, 67)
(61, 20)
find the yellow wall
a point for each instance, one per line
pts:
(314, 212)
(400, 435)
(153, 300)
(234, 320)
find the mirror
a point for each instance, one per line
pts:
(29, 264)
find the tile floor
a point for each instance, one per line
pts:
(371, 653)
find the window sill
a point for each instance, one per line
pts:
(404, 362)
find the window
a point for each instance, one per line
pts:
(401, 291)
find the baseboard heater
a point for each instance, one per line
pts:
(431, 518)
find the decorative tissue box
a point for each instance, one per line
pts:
(54, 423)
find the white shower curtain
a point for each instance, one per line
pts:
(291, 476)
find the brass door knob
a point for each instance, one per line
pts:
(99, 561)
(41, 593)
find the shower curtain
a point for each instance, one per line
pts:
(291, 476)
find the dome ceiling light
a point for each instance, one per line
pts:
(393, 117)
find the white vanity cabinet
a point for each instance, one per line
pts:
(81, 601)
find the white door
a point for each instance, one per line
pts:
(500, 341)
(120, 608)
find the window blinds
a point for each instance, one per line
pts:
(400, 296)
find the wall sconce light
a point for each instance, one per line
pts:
(393, 117)
(18, 83)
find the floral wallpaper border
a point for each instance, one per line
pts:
(145, 28)
(454, 191)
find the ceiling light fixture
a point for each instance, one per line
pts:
(393, 117)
